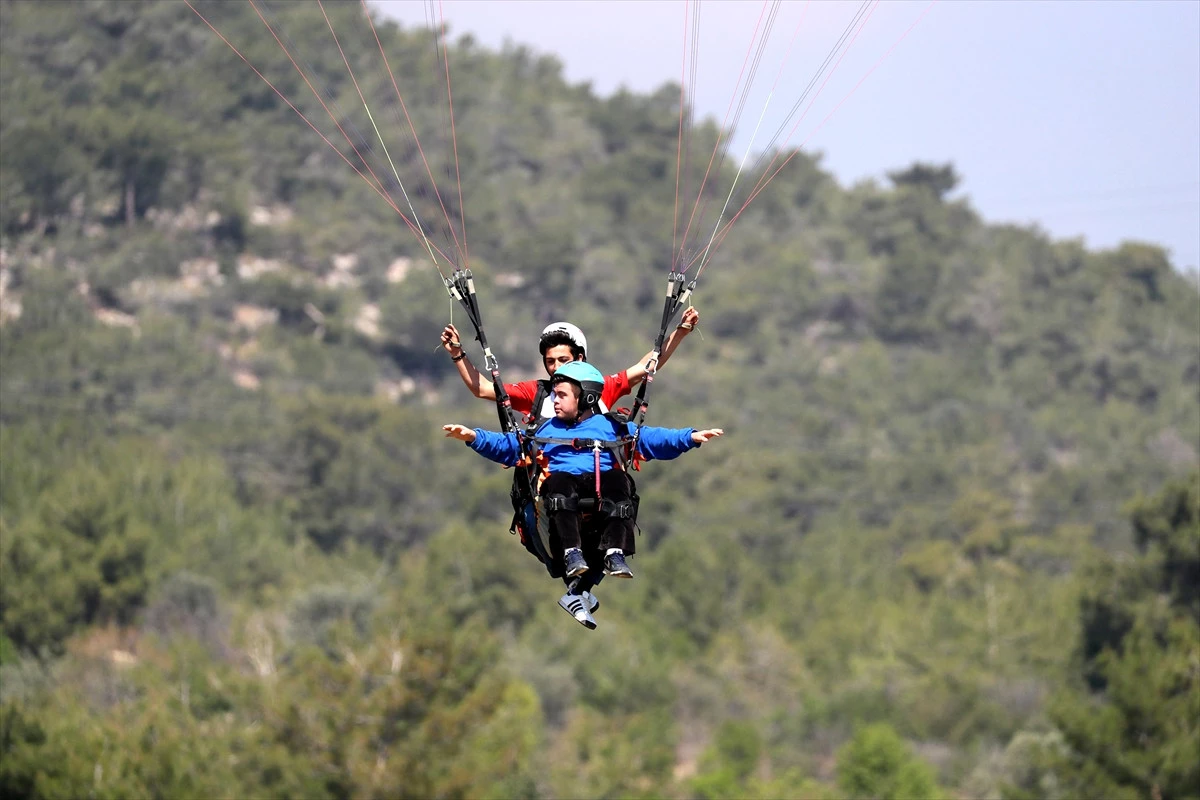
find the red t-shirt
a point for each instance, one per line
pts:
(522, 394)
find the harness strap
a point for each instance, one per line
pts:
(624, 509)
(561, 502)
(596, 465)
(584, 444)
(621, 510)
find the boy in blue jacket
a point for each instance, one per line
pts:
(581, 448)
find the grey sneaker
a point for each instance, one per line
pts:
(614, 564)
(577, 606)
(575, 563)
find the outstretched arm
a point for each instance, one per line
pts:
(664, 444)
(503, 448)
(472, 377)
(637, 372)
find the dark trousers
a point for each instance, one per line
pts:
(597, 534)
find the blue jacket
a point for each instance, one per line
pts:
(663, 444)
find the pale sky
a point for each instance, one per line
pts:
(1081, 116)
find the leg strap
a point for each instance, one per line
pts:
(617, 510)
(561, 502)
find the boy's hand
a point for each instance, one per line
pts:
(691, 318)
(460, 432)
(700, 437)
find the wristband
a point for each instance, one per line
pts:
(458, 357)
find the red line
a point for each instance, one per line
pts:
(763, 180)
(791, 44)
(416, 139)
(679, 146)
(869, 72)
(454, 138)
(821, 88)
(758, 188)
(774, 86)
(416, 230)
(721, 130)
(324, 138)
(289, 102)
(316, 94)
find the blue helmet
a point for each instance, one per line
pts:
(589, 379)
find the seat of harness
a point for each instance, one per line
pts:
(623, 509)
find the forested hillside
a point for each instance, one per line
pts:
(948, 546)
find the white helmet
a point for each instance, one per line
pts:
(570, 331)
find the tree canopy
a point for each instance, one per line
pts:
(237, 557)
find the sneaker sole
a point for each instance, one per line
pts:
(625, 574)
(577, 571)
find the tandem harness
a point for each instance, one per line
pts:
(530, 518)
(532, 511)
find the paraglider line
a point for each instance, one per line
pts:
(454, 139)
(759, 188)
(721, 130)
(753, 137)
(833, 51)
(679, 144)
(416, 140)
(379, 135)
(313, 89)
(316, 130)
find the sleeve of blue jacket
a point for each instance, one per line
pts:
(664, 444)
(499, 447)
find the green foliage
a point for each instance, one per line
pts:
(728, 764)
(877, 764)
(81, 561)
(938, 179)
(1140, 633)
(237, 558)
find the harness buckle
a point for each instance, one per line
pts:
(561, 502)
(621, 510)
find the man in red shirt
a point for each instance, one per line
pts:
(561, 343)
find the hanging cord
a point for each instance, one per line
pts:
(750, 146)
(724, 126)
(865, 9)
(292, 50)
(687, 87)
(454, 138)
(855, 26)
(375, 185)
(703, 199)
(411, 127)
(683, 71)
(766, 179)
(371, 117)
